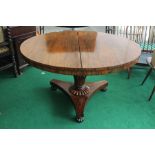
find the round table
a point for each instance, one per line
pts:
(80, 54)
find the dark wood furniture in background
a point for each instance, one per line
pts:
(72, 27)
(80, 54)
(18, 34)
(41, 29)
(7, 53)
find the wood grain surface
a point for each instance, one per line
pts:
(80, 53)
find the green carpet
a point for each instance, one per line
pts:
(28, 102)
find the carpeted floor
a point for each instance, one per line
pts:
(28, 102)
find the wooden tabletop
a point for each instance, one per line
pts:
(80, 53)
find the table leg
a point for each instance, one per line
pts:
(79, 92)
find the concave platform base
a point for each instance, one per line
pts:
(79, 92)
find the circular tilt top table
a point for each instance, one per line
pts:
(80, 54)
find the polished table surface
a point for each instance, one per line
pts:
(80, 53)
(76, 53)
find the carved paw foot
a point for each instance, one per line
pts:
(80, 120)
(53, 87)
(104, 89)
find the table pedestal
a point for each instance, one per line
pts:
(79, 92)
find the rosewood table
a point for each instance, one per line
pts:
(80, 54)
